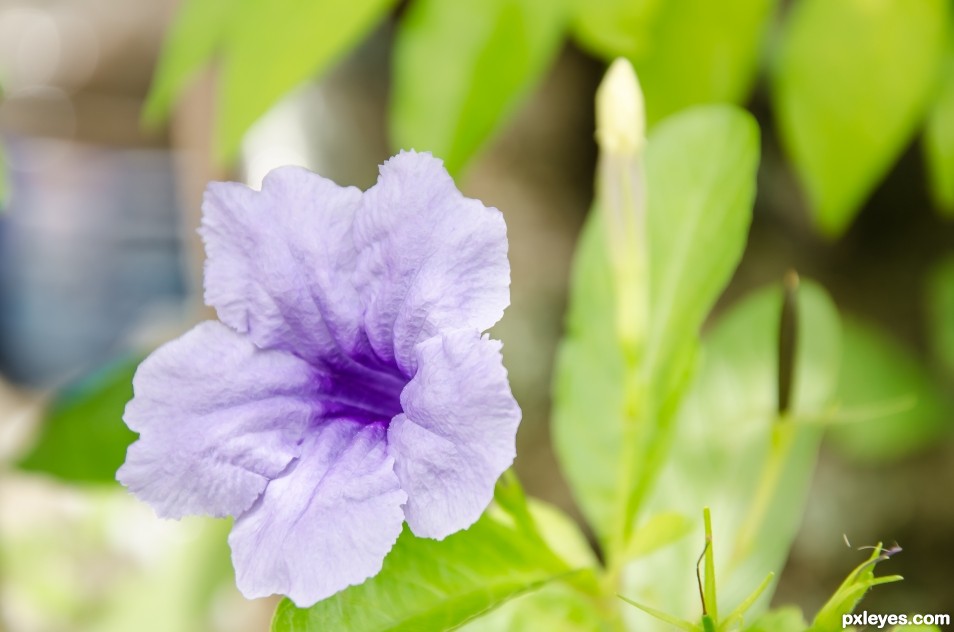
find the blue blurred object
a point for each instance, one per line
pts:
(89, 246)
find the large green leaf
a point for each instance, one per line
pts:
(939, 136)
(686, 53)
(851, 83)
(700, 170)
(431, 585)
(83, 437)
(877, 372)
(731, 452)
(274, 45)
(940, 307)
(461, 68)
(194, 37)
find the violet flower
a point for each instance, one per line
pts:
(347, 387)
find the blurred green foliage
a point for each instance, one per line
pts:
(915, 410)
(939, 135)
(83, 437)
(460, 69)
(852, 82)
(686, 53)
(266, 48)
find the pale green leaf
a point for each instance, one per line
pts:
(940, 308)
(660, 530)
(83, 436)
(875, 368)
(461, 68)
(685, 53)
(787, 619)
(275, 45)
(554, 608)
(732, 453)
(939, 136)
(193, 39)
(431, 585)
(852, 81)
(700, 170)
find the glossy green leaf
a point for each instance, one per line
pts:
(876, 368)
(700, 170)
(431, 585)
(274, 45)
(461, 68)
(939, 136)
(940, 308)
(852, 81)
(732, 453)
(686, 53)
(83, 436)
(195, 36)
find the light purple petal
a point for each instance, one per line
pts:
(456, 436)
(280, 261)
(217, 418)
(327, 523)
(429, 258)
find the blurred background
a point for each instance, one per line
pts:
(114, 115)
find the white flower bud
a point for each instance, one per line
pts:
(620, 112)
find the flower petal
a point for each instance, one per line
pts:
(280, 260)
(217, 418)
(429, 258)
(327, 523)
(457, 434)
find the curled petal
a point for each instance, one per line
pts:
(457, 434)
(217, 418)
(280, 260)
(325, 524)
(428, 258)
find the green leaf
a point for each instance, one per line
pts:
(686, 53)
(786, 619)
(700, 170)
(83, 437)
(876, 368)
(660, 530)
(615, 28)
(193, 39)
(846, 598)
(431, 585)
(851, 83)
(461, 68)
(940, 309)
(939, 136)
(275, 45)
(554, 608)
(732, 453)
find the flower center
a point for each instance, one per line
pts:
(366, 391)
